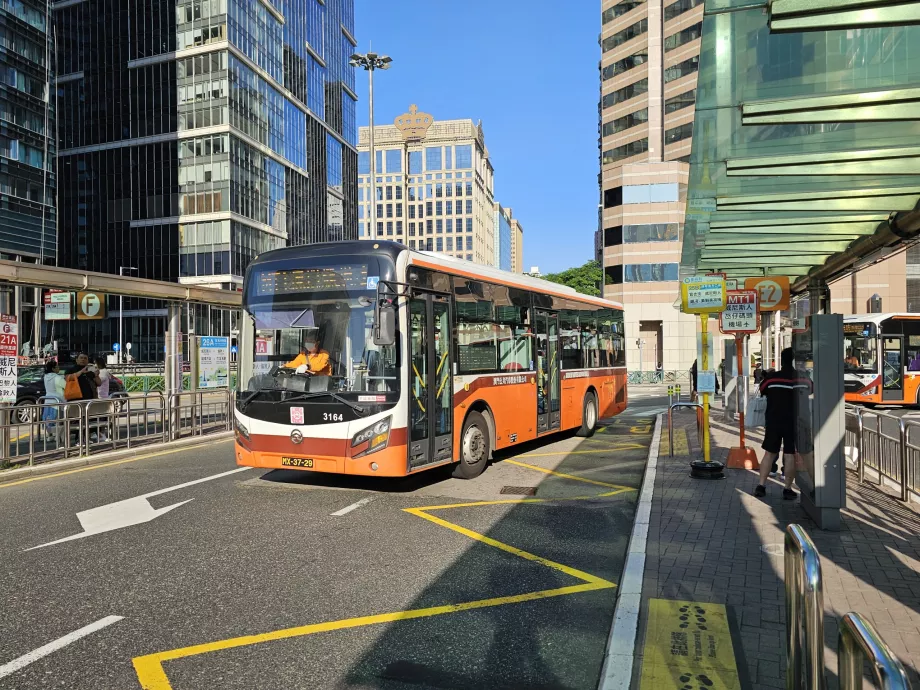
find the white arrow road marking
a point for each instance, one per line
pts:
(131, 511)
(60, 643)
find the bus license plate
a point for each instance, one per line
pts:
(297, 462)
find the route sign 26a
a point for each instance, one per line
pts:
(702, 294)
(741, 314)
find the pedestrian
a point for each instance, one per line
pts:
(54, 392)
(786, 392)
(86, 376)
(693, 372)
(105, 376)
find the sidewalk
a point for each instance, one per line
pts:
(712, 542)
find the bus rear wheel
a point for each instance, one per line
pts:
(474, 447)
(588, 416)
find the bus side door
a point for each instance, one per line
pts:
(431, 392)
(549, 415)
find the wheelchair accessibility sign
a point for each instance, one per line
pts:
(372, 282)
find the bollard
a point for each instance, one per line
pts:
(805, 605)
(857, 642)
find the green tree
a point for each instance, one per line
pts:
(585, 279)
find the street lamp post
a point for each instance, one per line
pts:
(371, 62)
(121, 322)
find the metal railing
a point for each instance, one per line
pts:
(858, 641)
(55, 430)
(671, 408)
(888, 451)
(804, 612)
(637, 377)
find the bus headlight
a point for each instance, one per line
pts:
(376, 436)
(241, 430)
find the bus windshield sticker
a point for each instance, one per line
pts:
(372, 282)
(296, 415)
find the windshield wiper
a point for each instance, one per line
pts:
(309, 396)
(241, 404)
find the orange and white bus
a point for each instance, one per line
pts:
(432, 361)
(881, 359)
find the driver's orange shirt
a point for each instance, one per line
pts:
(319, 363)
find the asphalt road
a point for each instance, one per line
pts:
(254, 579)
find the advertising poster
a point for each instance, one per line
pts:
(213, 362)
(9, 358)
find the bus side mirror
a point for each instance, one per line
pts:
(385, 328)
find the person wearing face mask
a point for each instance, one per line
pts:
(312, 359)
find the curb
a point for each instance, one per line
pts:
(111, 456)
(616, 673)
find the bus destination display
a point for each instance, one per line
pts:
(319, 279)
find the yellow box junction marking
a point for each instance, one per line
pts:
(152, 675)
(688, 646)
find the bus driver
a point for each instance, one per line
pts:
(313, 359)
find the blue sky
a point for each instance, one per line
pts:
(528, 70)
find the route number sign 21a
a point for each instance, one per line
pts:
(773, 292)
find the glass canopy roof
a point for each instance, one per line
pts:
(806, 136)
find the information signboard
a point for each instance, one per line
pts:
(773, 292)
(213, 362)
(9, 358)
(702, 294)
(706, 382)
(740, 315)
(57, 305)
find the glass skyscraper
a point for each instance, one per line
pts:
(27, 121)
(195, 135)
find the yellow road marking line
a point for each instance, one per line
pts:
(619, 446)
(152, 676)
(111, 464)
(567, 476)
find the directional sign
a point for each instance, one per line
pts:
(702, 294)
(774, 292)
(116, 347)
(57, 305)
(741, 314)
(90, 305)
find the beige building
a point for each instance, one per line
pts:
(517, 246)
(433, 189)
(649, 62)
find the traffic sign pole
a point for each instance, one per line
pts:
(742, 457)
(704, 322)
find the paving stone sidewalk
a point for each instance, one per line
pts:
(712, 541)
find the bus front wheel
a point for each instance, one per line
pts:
(588, 416)
(474, 447)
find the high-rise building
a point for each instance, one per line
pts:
(649, 61)
(517, 246)
(433, 189)
(503, 239)
(27, 122)
(198, 133)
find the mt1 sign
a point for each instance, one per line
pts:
(741, 314)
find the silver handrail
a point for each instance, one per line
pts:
(670, 435)
(804, 629)
(858, 640)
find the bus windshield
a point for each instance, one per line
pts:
(318, 315)
(860, 351)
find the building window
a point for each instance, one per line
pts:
(440, 244)
(619, 10)
(379, 193)
(448, 189)
(411, 229)
(682, 69)
(389, 193)
(624, 65)
(450, 205)
(394, 161)
(411, 244)
(613, 197)
(439, 224)
(399, 228)
(415, 162)
(429, 224)
(678, 8)
(389, 228)
(613, 237)
(469, 205)
(448, 159)
(469, 225)
(654, 232)
(379, 228)
(633, 148)
(450, 244)
(421, 211)
(450, 225)
(439, 190)
(469, 245)
(627, 34)
(649, 273)
(469, 189)
(429, 208)
(675, 134)
(398, 192)
(691, 33)
(361, 229)
(398, 210)
(433, 158)
(650, 193)
(637, 88)
(439, 208)
(458, 191)
(379, 210)
(683, 100)
(464, 156)
(364, 163)
(640, 117)
(389, 210)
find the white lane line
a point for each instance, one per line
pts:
(60, 643)
(197, 481)
(353, 506)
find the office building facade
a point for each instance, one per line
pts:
(434, 187)
(517, 246)
(503, 237)
(195, 135)
(648, 70)
(27, 125)
(202, 132)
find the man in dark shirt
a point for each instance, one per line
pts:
(87, 377)
(787, 393)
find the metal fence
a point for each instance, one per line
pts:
(658, 377)
(884, 443)
(55, 430)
